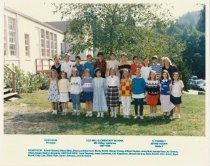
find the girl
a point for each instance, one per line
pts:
(152, 93)
(134, 66)
(138, 88)
(63, 86)
(113, 92)
(101, 64)
(145, 69)
(166, 105)
(125, 87)
(67, 65)
(99, 90)
(53, 95)
(124, 64)
(87, 90)
(112, 63)
(76, 89)
(176, 93)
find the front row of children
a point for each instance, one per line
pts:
(101, 94)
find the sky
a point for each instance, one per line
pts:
(42, 9)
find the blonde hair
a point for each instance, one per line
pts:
(164, 59)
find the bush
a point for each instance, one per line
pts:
(26, 82)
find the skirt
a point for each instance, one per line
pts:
(166, 104)
(152, 99)
(176, 100)
(112, 96)
(64, 97)
(87, 96)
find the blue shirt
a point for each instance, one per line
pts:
(90, 66)
(165, 87)
(156, 68)
(138, 85)
(80, 69)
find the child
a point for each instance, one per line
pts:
(101, 64)
(176, 93)
(138, 88)
(166, 105)
(80, 67)
(156, 66)
(123, 64)
(112, 63)
(87, 90)
(145, 69)
(89, 65)
(53, 95)
(63, 86)
(99, 90)
(134, 66)
(113, 92)
(76, 89)
(152, 95)
(67, 65)
(125, 87)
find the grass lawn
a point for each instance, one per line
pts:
(31, 115)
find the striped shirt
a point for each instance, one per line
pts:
(157, 68)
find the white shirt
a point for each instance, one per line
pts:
(176, 88)
(145, 72)
(75, 85)
(112, 81)
(67, 67)
(111, 64)
(138, 96)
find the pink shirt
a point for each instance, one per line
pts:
(176, 88)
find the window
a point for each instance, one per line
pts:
(48, 43)
(5, 36)
(12, 35)
(27, 45)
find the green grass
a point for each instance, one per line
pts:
(31, 115)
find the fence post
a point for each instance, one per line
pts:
(13, 81)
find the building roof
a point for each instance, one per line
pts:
(61, 25)
(32, 19)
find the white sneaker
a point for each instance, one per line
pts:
(90, 114)
(112, 114)
(74, 112)
(98, 115)
(54, 112)
(115, 114)
(78, 112)
(64, 112)
(102, 114)
(178, 116)
(127, 117)
(141, 117)
(87, 114)
(135, 117)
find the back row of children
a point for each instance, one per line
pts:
(134, 81)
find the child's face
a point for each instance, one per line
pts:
(136, 61)
(175, 76)
(77, 60)
(165, 75)
(124, 58)
(112, 72)
(146, 62)
(89, 58)
(138, 73)
(87, 74)
(155, 61)
(56, 60)
(53, 75)
(98, 74)
(63, 75)
(66, 58)
(125, 74)
(74, 72)
(100, 57)
(166, 62)
(152, 75)
(112, 57)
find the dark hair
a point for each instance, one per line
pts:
(78, 57)
(135, 57)
(168, 75)
(55, 57)
(173, 76)
(89, 55)
(100, 53)
(112, 53)
(63, 72)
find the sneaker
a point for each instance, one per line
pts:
(98, 115)
(112, 114)
(178, 116)
(171, 118)
(78, 113)
(135, 117)
(127, 117)
(74, 112)
(174, 116)
(64, 112)
(54, 112)
(141, 117)
(90, 114)
(87, 114)
(102, 114)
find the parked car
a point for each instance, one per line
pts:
(198, 84)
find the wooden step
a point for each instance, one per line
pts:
(7, 90)
(10, 95)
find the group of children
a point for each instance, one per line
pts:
(101, 83)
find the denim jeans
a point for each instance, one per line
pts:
(139, 103)
(75, 101)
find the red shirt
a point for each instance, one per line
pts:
(134, 67)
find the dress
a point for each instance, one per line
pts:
(112, 91)
(53, 95)
(153, 89)
(63, 85)
(99, 98)
(166, 105)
